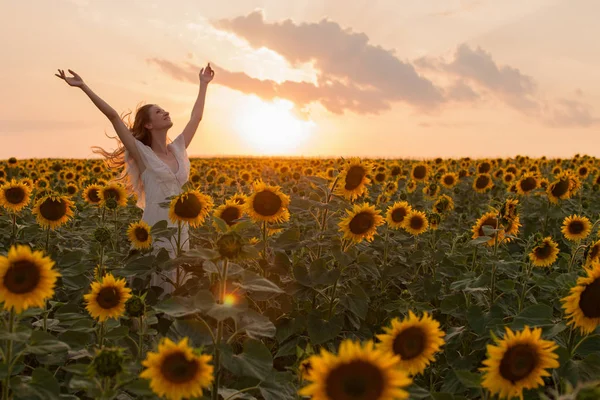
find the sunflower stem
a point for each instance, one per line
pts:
(581, 341)
(332, 299)
(100, 334)
(47, 238)
(325, 212)
(217, 369)
(8, 359)
(494, 267)
(141, 338)
(14, 228)
(45, 321)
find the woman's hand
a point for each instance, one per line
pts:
(75, 81)
(206, 74)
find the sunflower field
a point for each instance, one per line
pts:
(328, 279)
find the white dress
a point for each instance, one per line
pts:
(152, 187)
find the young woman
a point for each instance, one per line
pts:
(154, 169)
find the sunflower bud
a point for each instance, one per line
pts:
(230, 245)
(135, 306)
(111, 203)
(108, 362)
(102, 235)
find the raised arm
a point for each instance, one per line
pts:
(206, 75)
(123, 132)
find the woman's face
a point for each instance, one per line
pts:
(159, 118)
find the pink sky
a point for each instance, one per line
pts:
(388, 78)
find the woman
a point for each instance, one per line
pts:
(154, 169)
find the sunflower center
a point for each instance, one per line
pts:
(108, 297)
(416, 222)
(141, 234)
(230, 214)
(594, 251)
(542, 252)
(52, 209)
(176, 368)
(448, 180)
(409, 343)
(528, 184)
(110, 192)
(482, 182)
(380, 177)
(14, 195)
(22, 277)
(266, 203)
(398, 214)
(589, 302)
(356, 380)
(518, 362)
(560, 188)
(71, 189)
(188, 207)
(361, 223)
(576, 227)
(492, 223)
(354, 177)
(419, 172)
(93, 195)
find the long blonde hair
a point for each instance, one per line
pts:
(116, 159)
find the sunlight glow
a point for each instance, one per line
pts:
(271, 128)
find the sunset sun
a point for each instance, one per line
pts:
(271, 128)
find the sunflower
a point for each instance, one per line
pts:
(593, 251)
(191, 206)
(238, 198)
(576, 228)
(52, 211)
(509, 208)
(229, 212)
(42, 183)
(415, 222)
(357, 372)
(581, 305)
(527, 184)
(177, 371)
(434, 220)
(559, 190)
(115, 191)
(545, 253)
(449, 180)
(14, 196)
(509, 178)
(353, 180)
(482, 183)
(91, 194)
(361, 223)
(517, 362)
(139, 235)
(431, 190)
(27, 278)
(107, 298)
(489, 219)
(443, 204)
(411, 186)
(396, 213)
(415, 340)
(267, 203)
(419, 172)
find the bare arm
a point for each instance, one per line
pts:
(206, 75)
(123, 132)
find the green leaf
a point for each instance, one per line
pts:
(254, 361)
(470, 379)
(321, 331)
(480, 240)
(221, 224)
(301, 275)
(278, 386)
(232, 394)
(255, 324)
(356, 301)
(256, 283)
(176, 306)
(117, 333)
(534, 315)
(139, 387)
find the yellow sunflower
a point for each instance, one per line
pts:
(353, 180)
(509, 178)
(396, 213)
(115, 191)
(415, 222)
(191, 206)
(420, 172)
(411, 186)
(443, 204)
(482, 183)
(139, 235)
(415, 340)
(52, 211)
(593, 251)
(267, 203)
(27, 278)
(518, 362)
(489, 219)
(581, 305)
(14, 196)
(107, 298)
(527, 183)
(177, 371)
(357, 372)
(545, 253)
(91, 194)
(361, 223)
(576, 228)
(449, 180)
(559, 190)
(229, 212)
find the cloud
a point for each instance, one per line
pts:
(465, 6)
(571, 113)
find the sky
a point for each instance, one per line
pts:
(377, 78)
